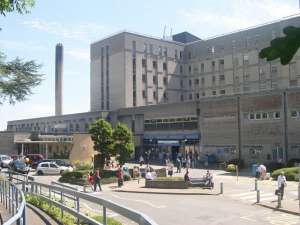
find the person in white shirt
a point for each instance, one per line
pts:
(281, 182)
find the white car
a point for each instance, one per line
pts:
(5, 160)
(49, 168)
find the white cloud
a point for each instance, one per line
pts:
(84, 31)
(20, 45)
(79, 54)
(241, 14)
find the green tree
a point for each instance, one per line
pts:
(283, 47)
(102, 136)
(21, 6)
(17, 77)
(123, 147)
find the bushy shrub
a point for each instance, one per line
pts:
(55, 212)
(291, 173)
(231, 168)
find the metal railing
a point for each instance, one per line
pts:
(14, 201)
(57, 196)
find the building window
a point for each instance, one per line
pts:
(190, 83)
(165, 96)
(144, 78)
(202, 67)
(222, 92)
(221, 64)
(222, 77)
(176, 54)
(181, 98)
(181, 83)
(133, 48)
(165, 80)
(294, 114)
(189, 55)
(213, 65)
(251, 116)
(154, 79)
(160, 51)
(154, 94)
(144, 94)
(154, 63)
(165, 66)
(151, 49)
(258, 116)
(196, 81)
(197, 95)
(265, 115)
(165, 52)
(190, 69)
(213, 79)
(202, 80)
(214, 93)
(144, 63)
(180, 54)
(276, 115)
(190, 96)
(181, 69)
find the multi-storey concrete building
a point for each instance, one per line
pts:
(214, 96)
(129, 70)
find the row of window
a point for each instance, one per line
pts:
(171, 120)
(262, 115)
(160, 51)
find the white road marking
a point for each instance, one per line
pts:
(141, 201)
(247, 218)
(241, 194)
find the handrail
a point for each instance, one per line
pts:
(36, 189)
(14, 200)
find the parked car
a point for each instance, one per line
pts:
(61, 163)
(49, 168)
(5, 160)
(19, 167)
(34, 159)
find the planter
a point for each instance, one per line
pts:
(166, 184)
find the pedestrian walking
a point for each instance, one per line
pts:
(178, 165)
(281, 182)
(120, 176)
(141, 160)
(97, 180)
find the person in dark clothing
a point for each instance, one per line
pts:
(97, 180)
(186, 176)
(120, 176)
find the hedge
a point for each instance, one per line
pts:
(67, 218)
(79, 177)
(291, 173)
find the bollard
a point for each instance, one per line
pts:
(255, 185)
(257, 196)
(279, 200)
(221, 188)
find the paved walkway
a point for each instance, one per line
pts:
(35, 216)
(4, 213)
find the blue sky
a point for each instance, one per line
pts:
(78, 23)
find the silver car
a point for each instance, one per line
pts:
(5, 160)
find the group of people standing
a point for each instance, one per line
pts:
(94, 179)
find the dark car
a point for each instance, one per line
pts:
(19, 167)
